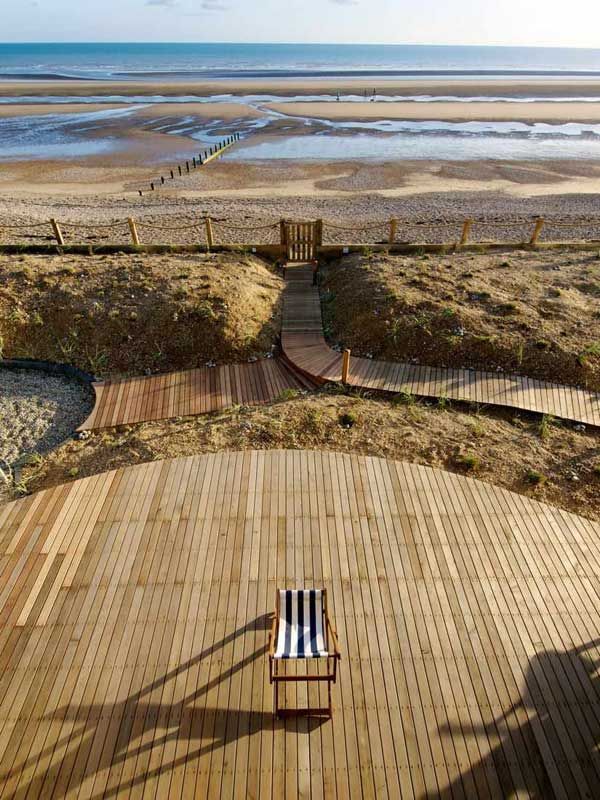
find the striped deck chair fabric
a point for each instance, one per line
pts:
(301, 632)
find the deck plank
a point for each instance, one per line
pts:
(136, 613)
(198, 391)
(304, 346)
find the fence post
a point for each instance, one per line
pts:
(319, 233)
(187, 165)
(172, 175)
(134, 234)
(539, 224)
(152, 186)
(393, 230)
(209, 233)
(57, 232)
(465, 231)
(179, 168)
(162, 180)
(282, 233)
(345, 365)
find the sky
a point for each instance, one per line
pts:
(500, 22)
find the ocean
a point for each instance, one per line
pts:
(100, 130)
(164, 60)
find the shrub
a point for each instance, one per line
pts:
(535, 478)
(347, 419)
(467, 461)
(404, 399)
(545, 425)
(288, 394)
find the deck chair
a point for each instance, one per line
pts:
(302, 630)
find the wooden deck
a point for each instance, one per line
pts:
(305, 347)
(194, 391)
(133, 633)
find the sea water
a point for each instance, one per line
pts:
(138, 60)
(68, 135)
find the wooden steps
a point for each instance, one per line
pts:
(134, 626)
(304, 346)
(195, 391)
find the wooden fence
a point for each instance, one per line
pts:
(173, 233)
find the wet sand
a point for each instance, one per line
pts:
(285, 181)
(523, 87)
(41, 109)
(145, 153)
(440, 111)
(224, 111)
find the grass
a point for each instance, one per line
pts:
(107, 313)
(592, 350)
(404, 398)
(535, 478)
(473, 315)
(546, 423)
(469, 462)
(288, 394)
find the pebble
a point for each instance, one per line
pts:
(38, 411)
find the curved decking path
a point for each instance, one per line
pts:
(195, 391)
(304, 346)
(311, 361)
(134, 626)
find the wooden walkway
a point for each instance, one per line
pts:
(134, 625)
(305, 347)
(195, 391)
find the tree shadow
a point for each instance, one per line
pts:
(129, 732)
(547, 744)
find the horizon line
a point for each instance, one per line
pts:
(305, 44)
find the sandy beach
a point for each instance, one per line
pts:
(148, 139)
(550, 112)
(520, 87)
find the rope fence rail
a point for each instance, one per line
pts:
(214, 231)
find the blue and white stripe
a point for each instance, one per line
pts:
(301, 624)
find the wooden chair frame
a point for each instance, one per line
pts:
(276, 676)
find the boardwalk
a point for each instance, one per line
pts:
(304, 345)
(133, 634)
(194, 391)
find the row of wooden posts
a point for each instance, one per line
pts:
(133, 229)
(203, 158)
(393, 230)
(466, 230)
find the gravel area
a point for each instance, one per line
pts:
(422, 218)
(38, 411)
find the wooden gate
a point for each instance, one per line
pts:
(300, 240)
